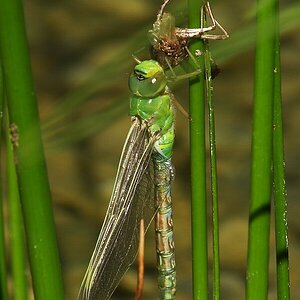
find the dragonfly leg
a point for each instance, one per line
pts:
(202, 16)
(162, 8)
(186, 76)
(188, 33)
(192, 57)
(140, 277)
(198, 32)
(174, 76)
(182, 110)
(189, 73)
(215, 24)
(136, 59)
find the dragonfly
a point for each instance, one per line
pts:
(142, 190)
(169, 44)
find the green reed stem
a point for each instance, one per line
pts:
(198, 167)
(280, 204)
(29, 155)
(214, 175)
(3, 276)
(259, 218)
(16, 232)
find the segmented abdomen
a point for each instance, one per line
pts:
(165, 249)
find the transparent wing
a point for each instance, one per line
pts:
(131, 198)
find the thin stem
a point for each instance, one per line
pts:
(198, 167)
(259, 218)
(3, 275)
(29, 155)
(281, 230)
(18, 251)
(214, 176)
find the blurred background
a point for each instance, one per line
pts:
(81, 57)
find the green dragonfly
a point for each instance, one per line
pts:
(142, 190)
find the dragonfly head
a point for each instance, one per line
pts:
(147, 79)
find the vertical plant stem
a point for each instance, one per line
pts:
(3, 276)
(214, 177)
(259, 218)
(29, 155)
(18, 252)
(280, 204)
(198, 167)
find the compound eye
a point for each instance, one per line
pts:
(139, 76)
